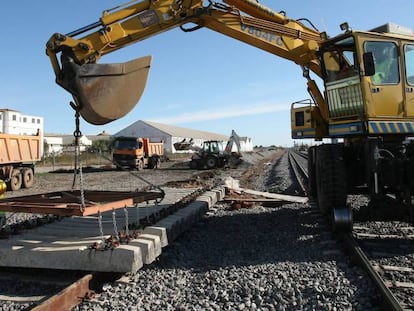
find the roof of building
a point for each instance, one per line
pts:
(7, 109)
(178, 131)
(68, 139)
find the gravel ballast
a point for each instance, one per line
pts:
(249, 259)
(260, 258)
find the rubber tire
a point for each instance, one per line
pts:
(154, 162)
(193, 165)
(27, 177)
(211, 162)
(15, 182)
(330, 178)
(140, 166)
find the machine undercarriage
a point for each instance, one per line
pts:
(373, 167)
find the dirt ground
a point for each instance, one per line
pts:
(175, 174)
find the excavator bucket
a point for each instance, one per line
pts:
(106, 92)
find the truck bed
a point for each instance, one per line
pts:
(19, 148)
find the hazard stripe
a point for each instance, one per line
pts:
(391, 127)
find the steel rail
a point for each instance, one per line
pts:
(69, 297)
(389, 299)
(299, 170)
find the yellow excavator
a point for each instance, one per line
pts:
(366, 106)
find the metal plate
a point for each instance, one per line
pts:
(68, 203)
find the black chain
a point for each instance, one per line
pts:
(78, 134)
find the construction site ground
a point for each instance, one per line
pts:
(66, 243)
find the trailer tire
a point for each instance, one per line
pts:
(27, 177)
(15, 182)
(158, 163)
(140, 165)
(154, 162)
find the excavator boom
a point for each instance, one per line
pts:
(106, 92)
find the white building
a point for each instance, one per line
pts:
(54, 145)
(169, 134)
(14, 122)
(246, 144)
(69, 143)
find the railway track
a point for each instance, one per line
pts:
(46, 290)
(393, 274)
(298, 163)
(388, 258)
(60, 291)
(50, 290)
(386, 252)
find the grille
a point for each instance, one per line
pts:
(345, 99)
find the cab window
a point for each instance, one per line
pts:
(409, 62)
(338, 59)
(386, 62)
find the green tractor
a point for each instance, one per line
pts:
(210, 156)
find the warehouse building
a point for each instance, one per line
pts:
(169, 134)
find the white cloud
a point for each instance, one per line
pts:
(224, 113)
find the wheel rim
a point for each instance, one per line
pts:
(211, 163)
(342, 219)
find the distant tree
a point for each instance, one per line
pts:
(45, 148)
(102, 145)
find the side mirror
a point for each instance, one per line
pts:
(369, 65)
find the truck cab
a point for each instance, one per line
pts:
(136, 153)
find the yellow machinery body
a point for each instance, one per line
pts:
(366, 77)
(359, 105)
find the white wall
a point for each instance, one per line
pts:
(140, 129)
(14, 122)
(55, 145)
(246, 144)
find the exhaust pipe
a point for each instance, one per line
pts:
(105, 92)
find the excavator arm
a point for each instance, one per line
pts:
(106, 92)
(284, 40)
(234, 139)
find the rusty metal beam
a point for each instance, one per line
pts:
(68, 203)
(69, 297)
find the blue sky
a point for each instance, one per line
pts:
(202, 80)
